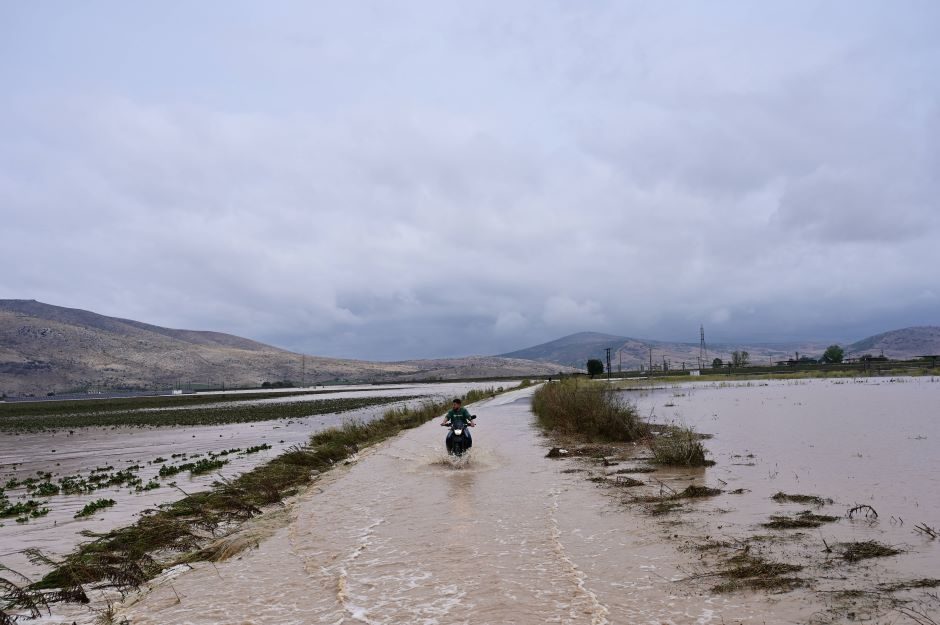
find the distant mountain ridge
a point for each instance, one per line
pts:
(904, 343)
(51, 348)
(632, 353)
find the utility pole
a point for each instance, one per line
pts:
(303, 371)
(608, 363)
(619, 361)
(702, 351)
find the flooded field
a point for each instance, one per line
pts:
(405, 535)
(868, 441)
(124, 455)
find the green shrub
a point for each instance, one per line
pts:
(588, 409)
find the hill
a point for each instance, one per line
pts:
(630, 353)
(51, 348)
(899, 344)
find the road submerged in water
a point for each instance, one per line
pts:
(405, 535)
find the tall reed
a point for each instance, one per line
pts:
(586, 408)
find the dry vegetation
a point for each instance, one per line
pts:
(594, 411)
(583, 408)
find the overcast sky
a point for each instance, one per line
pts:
(390, 180)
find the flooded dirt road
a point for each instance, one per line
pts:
(406, 536)
(63, 453)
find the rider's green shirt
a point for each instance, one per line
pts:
(459, 417)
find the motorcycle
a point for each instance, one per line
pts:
(458, 438)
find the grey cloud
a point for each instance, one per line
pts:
(436, 179)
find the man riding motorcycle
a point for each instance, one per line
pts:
(461, 419)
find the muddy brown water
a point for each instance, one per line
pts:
(870, 441)
(404, 535)
(866, 441)
(61, 453)
(407, 536)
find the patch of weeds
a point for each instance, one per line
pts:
(257, 448)
(813, 500)
(853, 552)
(94, 506)
(24, 510)
(200, 467)
(926, 582)
(585, 408)
(745, 571)
(691, 492)
(805, 519)
(635, 470)
(46, 489)
(663, 507)
(18, 597)
(679, 446)
(626, 482)
(712, 545)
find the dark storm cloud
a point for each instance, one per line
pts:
(427, 179)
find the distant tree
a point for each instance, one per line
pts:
(595, 367)
(717, 363)
(833, 354)
(740, 359)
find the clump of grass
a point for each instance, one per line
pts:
(587, 409)
(666, 503)
(754, 573)
(926, 582)
(94, 506)
(679, 446)
(257, 448)
(663, 506)
(635, 470)
(18, 597)
(626, 482)
(691, 492)
(23, 510)
(805, 519)
(814, 500)
(855, 551)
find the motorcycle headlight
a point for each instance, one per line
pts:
(458, 432)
